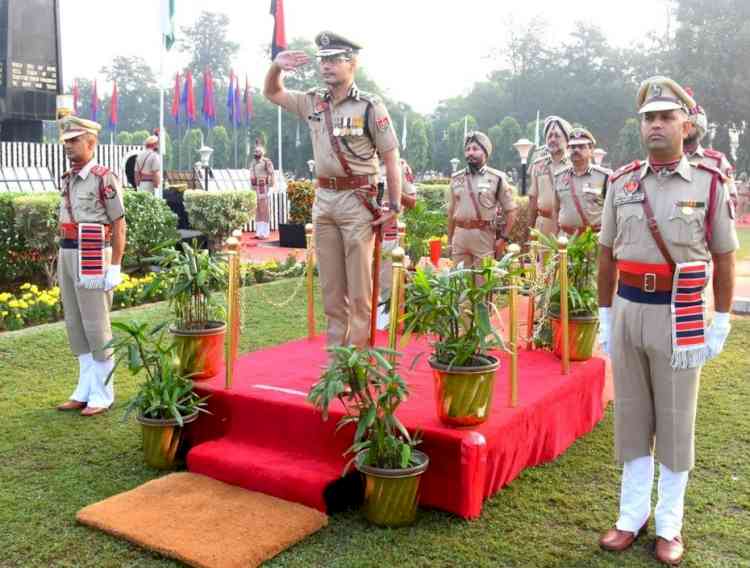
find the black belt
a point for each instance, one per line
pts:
(73, 243)
(635, 294)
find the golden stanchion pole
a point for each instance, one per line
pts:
(401, 232)
(563, 244)
(514, 249)
(397, 279)
(233, 308)
(531, 308)
(310, 281)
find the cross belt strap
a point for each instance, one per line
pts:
(653, 226)
(350, 182)
(577, 203)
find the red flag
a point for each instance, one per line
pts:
(113, 107)
(208, 108)
(248, 100)
(94, 102)
(76, 96)
(278, 42)
(176, 99)
(189, 98)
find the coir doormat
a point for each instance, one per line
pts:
(204, 522)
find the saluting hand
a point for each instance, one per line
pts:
(290, 60)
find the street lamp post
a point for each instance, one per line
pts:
(523, 147)
(311, 167)
(454, 164)
(205, 153)
(599, 154)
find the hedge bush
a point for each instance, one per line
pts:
(435, 196)
(16, 262)
(35, 222)
(217, 213)
(150, 222)
(301, 194)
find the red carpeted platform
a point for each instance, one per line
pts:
(264, 435)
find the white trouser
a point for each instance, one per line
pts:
(262, 229)
(635, 497)
(81, 394)
(102, 393)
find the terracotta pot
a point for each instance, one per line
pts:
(581, 336)
(392, 495)
(161, 439)
(200, 351)
(464, 394)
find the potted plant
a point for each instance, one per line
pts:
(217, 213)
(455, 308)
(165, 400)
(370, 389)
(191, 277)
(582, 293)
(301, 194)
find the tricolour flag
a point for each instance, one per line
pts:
(167, 22)
(278, 41)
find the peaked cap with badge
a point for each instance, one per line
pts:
(72, 126)
(330, 44)
(662, 93)
(581, 136)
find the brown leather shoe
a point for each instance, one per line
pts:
(669, 552)
(94, 410)
(71, 405)
(616, 540)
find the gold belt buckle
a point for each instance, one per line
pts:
(332, 183)
(649, 282)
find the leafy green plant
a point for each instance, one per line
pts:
(583, 253)
(455, 306)
(191, 276)
(217, 213)
(36, 222)
(150, 222)
(370, 389)
(421, 224)
(164, 393)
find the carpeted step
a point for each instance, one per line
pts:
(294, 476)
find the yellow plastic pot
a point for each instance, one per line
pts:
(464, 394)
(161, 439)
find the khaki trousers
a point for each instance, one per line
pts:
(343, 245)
(470, 246)
(147, 186)
(544, 225)
(86, 310)
(655, 405)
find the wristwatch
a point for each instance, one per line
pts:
(394, 207)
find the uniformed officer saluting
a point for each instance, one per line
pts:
(579, 188)
(664, 221)
(479, 194)
(349, 128)
(92, 241)
(542, 190)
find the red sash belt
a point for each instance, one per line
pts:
(70, 231)
(473, 224)
(350, 182)
(545, 213)
(645, 276)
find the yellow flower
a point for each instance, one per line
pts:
(23, 305)
(3, 314)
(27, 296)
(34, 289)
(5, 296)
(14, 304)
(25, 286)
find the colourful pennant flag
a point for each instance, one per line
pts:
(278, 41)
(113, 107)
(237, 103)
(188, 99)
(208, 108)
(230, 98)
(94, 102)
(248, 103)
(76, 96)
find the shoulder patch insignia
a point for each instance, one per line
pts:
(383, 123)
(632, 166)
(110, 192)
(99, 171)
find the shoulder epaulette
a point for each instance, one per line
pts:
(627, 168)
(458, 173)
(711, 153)
(710, 169)
(540, 159)
(601, 170)
(566, 169)
(369, 97)
(494, 172)
(99, 170)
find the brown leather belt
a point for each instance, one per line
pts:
(545, 212)
(648, 282)
(578, 230)
(473, 224)
(70, 231)
(351, 182)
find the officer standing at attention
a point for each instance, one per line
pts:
(579, 188)
(262, 180)
(148, 166)
(666, 226)
(348, 128)
(92, 231)
(697, 154)
(542, 189)
(478, 196)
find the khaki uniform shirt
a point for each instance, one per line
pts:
(94, 195)
(542, 186)
(682, 224)
(588, 188)
(148, 162)
(351, 122)
(261, 172)
(491, 190)
(718, 160)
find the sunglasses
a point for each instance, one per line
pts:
(333, 59)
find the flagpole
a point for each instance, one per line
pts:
(281, 163)
(162, 132)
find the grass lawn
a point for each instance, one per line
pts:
(744, 251)
(52, 464)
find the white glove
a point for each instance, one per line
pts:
(605, 329)
(112, 277)
(717, 334)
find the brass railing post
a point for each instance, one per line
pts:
(310, 267)
(514, 249)
(531, 307)
(565, 340)
(234, 290)
(397, 279)
(401, 231)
